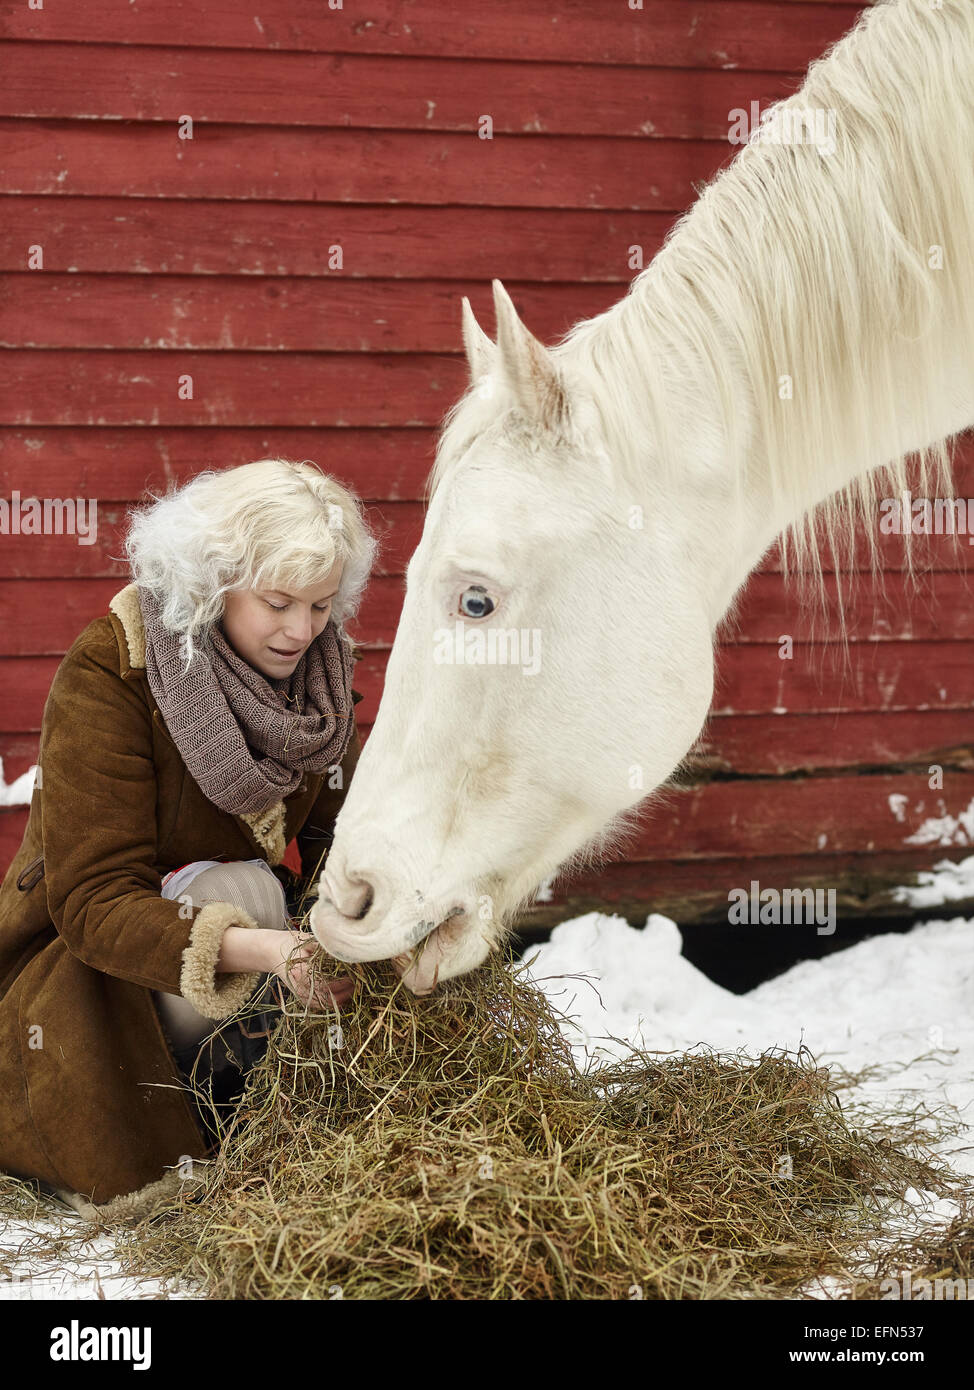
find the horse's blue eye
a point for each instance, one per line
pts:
(474, 602)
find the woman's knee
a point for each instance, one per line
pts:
(246, 883)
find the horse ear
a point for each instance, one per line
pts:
(529, 367)
(481, 352)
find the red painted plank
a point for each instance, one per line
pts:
(241, 163)
(270, 314)
(704, 33)
(397, 528)
(98, 235)
(24, 685)
(19, 752)
(113, 388)
(695, 890)
(852, 815)
(884, 677)
(68, 387)
(940, 607)
(880, 676)
(756, 745)
(937, 607)
(42, 616)
(115, 464)
(54, 81)
(763, 745)
(243, 313)
(398, 525)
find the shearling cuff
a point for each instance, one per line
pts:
(215, 995)
(132, 1206)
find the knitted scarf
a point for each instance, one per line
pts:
(246, 738)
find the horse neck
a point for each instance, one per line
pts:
(807, 325)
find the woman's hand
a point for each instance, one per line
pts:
(267, 950)
(300, 947)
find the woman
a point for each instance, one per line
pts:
(189, 735)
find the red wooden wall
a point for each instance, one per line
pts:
(357, 127)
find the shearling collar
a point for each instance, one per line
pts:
(267, 827)
(127, 609)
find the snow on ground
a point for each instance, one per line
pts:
(899, 1003)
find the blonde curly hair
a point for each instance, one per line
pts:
(274, 523)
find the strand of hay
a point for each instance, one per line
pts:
(449, 1147)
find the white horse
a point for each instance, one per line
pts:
(597, 506)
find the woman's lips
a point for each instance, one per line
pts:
(277, 652)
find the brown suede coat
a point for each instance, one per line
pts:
(90, 1095)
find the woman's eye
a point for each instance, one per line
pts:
(282, 607)
(474, 602)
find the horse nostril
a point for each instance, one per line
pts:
(351, 894)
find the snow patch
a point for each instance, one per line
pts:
(20, 791)
(947, 882)
(946, 830)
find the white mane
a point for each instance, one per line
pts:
(811, 265)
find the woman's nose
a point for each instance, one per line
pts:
(300, 630)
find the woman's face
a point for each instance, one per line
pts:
(271, 629)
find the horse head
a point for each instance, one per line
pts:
(552, 665)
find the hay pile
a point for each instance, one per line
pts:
(450, 1148)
